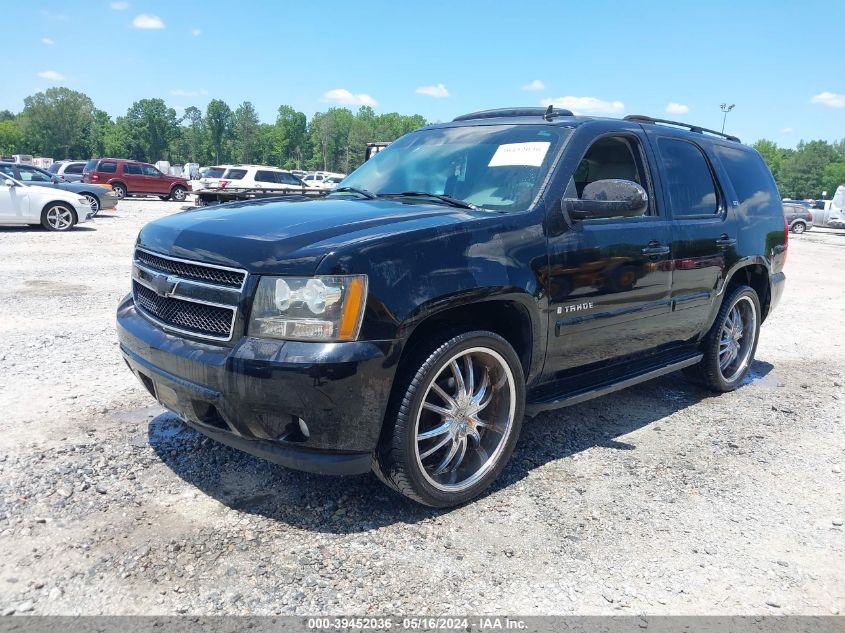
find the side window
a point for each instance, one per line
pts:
(109, 168)
(289, 179)
(28, 174)
(149, 170)
(752, 181)
(689, 180)
(7, 169)
(235, 174)
(74, 169)
(131, 169)
(265, 176)
(610, 157)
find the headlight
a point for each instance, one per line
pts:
(309, 309)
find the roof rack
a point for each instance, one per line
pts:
(547, 113)
(640, 118)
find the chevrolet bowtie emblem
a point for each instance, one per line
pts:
(164, 285)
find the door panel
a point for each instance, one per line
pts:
(133, 177)
(703, 235)
(14, 205)
(608, 280)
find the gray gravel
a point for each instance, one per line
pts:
(659, 499)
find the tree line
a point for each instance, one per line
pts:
(807, 171)
(64, 123)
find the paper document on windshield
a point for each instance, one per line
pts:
(527, 154)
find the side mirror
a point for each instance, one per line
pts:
(607, 199)
(9, 183)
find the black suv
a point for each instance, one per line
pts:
(506, 263)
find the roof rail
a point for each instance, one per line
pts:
(641, 118)
(547, 113)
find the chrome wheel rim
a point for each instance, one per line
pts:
(93, 203)
(799, 228)
(179, 195)
(120, 192)
(59, 218)
(465, 420)
(736, 339)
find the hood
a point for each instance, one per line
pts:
(287, 237)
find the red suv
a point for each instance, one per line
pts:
(129, 177)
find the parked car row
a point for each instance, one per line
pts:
(237, 176)
(131, 177)
(97, 197)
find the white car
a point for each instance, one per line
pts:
(209, 177)
(323, 180)
(259, 177)
(54, 209)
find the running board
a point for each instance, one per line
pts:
(605, 380)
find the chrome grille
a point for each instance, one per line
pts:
(187, 297)
(196, 318)
(188, 270)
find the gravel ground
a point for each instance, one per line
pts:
(660, 499)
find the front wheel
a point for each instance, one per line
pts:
(178, 194)
(799, 227)
(730, 344)
(456, 420)
(93, 202)
(58, 217)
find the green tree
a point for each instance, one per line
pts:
(118, 139)
(11, 137)
(218, 120)
(834, 175)
(288, 137)
(802, 171)
(98, 128)
(195, 135)
(772, 154)
(245, 127)
(153, 127)
(55, 120)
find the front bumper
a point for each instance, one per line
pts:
(251, 396)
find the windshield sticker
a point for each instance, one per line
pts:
(528, 154)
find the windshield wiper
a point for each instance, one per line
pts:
(452, 202)
(369, 195)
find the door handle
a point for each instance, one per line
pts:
(725, 241)
(655, 249)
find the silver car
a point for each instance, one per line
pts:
(98, 197)
(68, 170)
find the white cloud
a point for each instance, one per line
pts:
(119, 6)
(47, 41)
(196, 32)
(52, 75)
(145, 21)
(344, 97)
(534, 85)
(786, 130)
(179, 92)
(584, 105)
(677, 108)
(830, 99)
(438, 90)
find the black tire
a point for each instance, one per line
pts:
(799, 227)
(400, 457)
(178, 193)
(94, 201)
(709, 372)
(119, 190)
(57, 216)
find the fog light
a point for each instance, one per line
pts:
(303, 428)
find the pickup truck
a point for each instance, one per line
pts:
(469, 274)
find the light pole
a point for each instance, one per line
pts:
(726, 108)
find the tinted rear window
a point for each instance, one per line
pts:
(266, 176)
(213, 172)
(752, 181)
(76, 168)
(691, 187)
(132, 168)
(91, 165)
(54, 168)
(235, 174)
(107, 167)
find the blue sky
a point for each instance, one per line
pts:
(782, 64)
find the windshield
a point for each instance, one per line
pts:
(498, 167)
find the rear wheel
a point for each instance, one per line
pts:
(119, 190)
(58, 217)
(178, 193)
(799, 227)
(730, 344)
(455, 423)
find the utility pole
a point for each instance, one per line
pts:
(726, 108)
